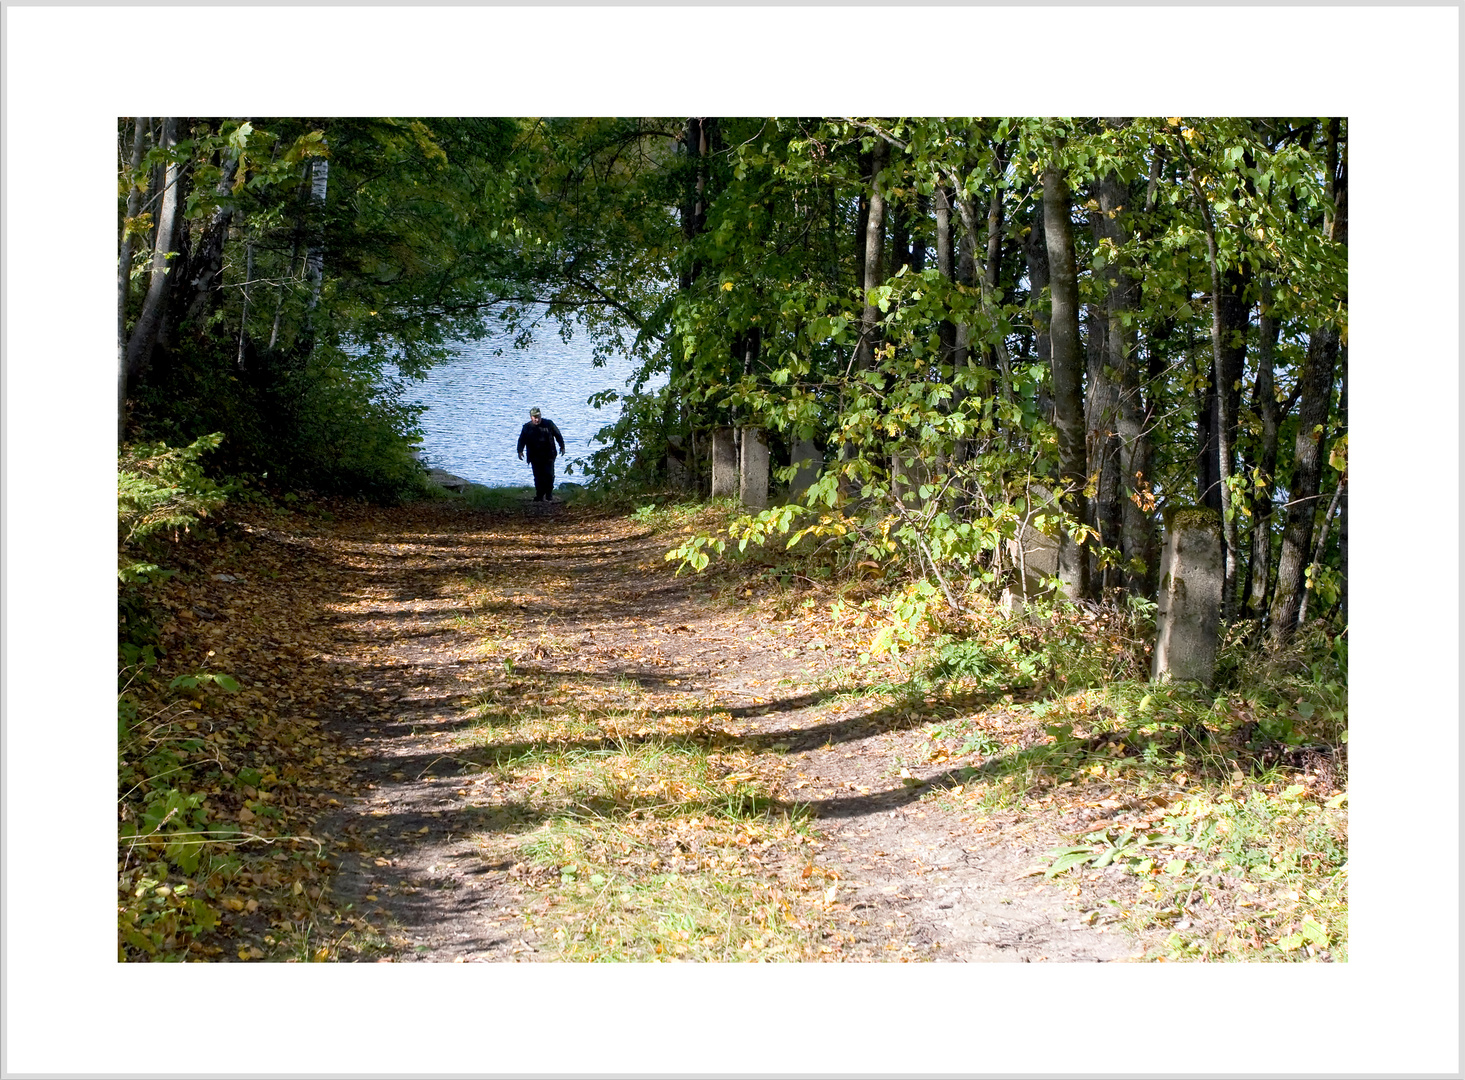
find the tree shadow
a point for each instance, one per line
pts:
(386, 706)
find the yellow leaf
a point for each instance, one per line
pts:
(321, 954)
(233, 903)
(244, 954)
(371, 896)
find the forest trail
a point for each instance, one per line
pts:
(565, 751)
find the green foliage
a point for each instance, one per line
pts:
(909, 616)
(299, 370)
(1122, 847)
(634, 448)
(736, 275)
(346, 431)
(160, 488)
(987, 663)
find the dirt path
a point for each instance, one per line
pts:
(446, 612)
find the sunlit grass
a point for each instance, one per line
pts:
(1222, 810)
(650, 833)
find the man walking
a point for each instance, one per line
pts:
(539, 437)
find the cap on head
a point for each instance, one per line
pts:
(534, 412)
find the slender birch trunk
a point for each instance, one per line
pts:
(145, 330)
(315, 254)
(140, 125)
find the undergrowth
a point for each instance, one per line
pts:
(1218, 815)
(214, 860)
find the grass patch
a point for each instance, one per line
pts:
(494, 498)
(1219, 817)
(688, 888)
(1259, 873)
(651, 838)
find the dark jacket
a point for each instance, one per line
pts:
(539, 439)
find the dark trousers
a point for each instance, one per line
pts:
(543, 478)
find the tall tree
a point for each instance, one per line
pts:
(1133, 416)
(145, 331)
(1269, 412)
(1101, 413)
(697, 143)
(1067, 366)
(1316, 399)
(130, 169)
(1228, 352)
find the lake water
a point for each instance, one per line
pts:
(477, 402)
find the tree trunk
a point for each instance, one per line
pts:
(872, 246)
(1068, 412)
(918, 242)
(862, 210)
(1317, 390)
(1101, 416)
(1343, 510)
(1037, 264)
(145, 331)
(239, 362)
(946, 330)
(1230, 314)
(1101, 407)
(280, 299)
(900, 238)
(301, 198)
(871, 265)
(996, 220)
(1266, 408)
(1322, 545)
(206, 266)
(961, 342)
(945, 264)
(1228, 354)
(1316, 384)
(1207, 458)
(315, 254)
(680, 461)
(140, 126)
(1133, 415)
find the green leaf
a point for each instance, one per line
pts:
(1068, 862)
(1315, 933)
